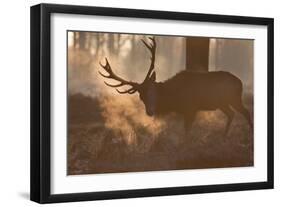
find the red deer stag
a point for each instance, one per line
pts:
(185, 93)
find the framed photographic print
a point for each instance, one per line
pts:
(132, 103)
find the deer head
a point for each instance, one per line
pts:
(146, 89)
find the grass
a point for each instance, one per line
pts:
(96, 147)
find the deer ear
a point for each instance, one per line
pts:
(153, 77)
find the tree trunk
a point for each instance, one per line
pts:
(110, 45)
(75, 42)
(82, 40)
(197, 53)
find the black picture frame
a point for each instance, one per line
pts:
(41, 99)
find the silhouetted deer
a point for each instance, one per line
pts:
(185, 93)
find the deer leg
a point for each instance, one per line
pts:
(188, 120)
(230, 115)
(240, 108)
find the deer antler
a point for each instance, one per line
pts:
(134, 86)
(122, 82)
(152, 48)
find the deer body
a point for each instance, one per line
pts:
(186, 93)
